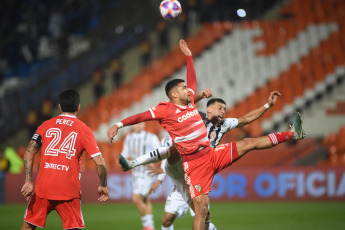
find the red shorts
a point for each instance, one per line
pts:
(68, 210)
(199, 172)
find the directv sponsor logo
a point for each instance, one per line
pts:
(188, 115)
(55, 166)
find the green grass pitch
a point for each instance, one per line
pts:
(237, 216)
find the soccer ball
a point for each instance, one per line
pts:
(170, 9)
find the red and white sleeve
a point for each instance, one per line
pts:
(90, 143)
(159, 112)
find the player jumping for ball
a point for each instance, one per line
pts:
(179, 199)
(180, 118)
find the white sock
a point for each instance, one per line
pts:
(147, 220)
(171, 227)
(152, 157)
(212, 227)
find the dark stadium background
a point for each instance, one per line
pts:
(118, 54)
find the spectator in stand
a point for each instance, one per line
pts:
(4, 163)
(32, 121)
(15, 162)
(46, 110)
(145, 50)
(98, 77)
(116, 67)
(163, 35)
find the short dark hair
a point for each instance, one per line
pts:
(69, 100)
(171, 84)
(214, 100)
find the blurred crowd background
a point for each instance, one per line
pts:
(100, 47)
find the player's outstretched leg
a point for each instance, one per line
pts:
(125, 164)
(155, 156)
(297, 127)
(295, 133)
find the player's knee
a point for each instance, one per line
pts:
(167, 222)
(168, 219)
(136, 199)
(202, 209)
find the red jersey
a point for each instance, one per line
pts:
(184, 125)
(64, 138)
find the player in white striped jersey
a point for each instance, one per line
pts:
(216, 126)
(136, 144)
(181, 120)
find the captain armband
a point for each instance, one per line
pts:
(36, 137)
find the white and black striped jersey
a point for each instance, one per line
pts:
(165, 142)
(137, 144)
(215, 133)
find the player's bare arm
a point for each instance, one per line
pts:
(30, 152)
(206, 93)
(153, 171)
(184, 48)
(255, 114)
(102, 174)
(112, 131)
(154, 186)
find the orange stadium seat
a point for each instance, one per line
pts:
(108, 155)
(103, 109)
(340, 140)
(21, 151)
(292, 82)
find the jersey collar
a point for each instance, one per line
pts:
(66, 115)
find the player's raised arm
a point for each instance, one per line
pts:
(191, 75)
(102, 174)
(255, 114)
(206, 93)
(141, 117)
(30, 152)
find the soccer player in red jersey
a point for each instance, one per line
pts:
(62, 141)
(185, 126)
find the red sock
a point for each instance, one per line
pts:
(277, 138)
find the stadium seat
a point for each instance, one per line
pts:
(299, 56)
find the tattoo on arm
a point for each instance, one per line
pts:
(102, 174)
(101, 170)
(30, 152)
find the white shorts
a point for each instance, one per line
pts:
(141, 184)
(176, 173)
(176, 205)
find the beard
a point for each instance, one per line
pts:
(189, 100)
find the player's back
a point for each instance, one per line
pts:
(63, 140)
